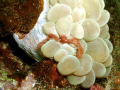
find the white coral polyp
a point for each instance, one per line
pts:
(82, 20)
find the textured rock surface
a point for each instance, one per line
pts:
(19, 15)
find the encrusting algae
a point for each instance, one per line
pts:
(15, 16)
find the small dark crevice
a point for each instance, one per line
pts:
(17, 51)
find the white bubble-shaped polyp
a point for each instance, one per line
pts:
(105, 16)
(50, 48)
(53, 2)
(98, 50)
(78, 14)
(70, 18)
(103, 31)
(49, 28)
(58, 11)
(68, 65)
(60, 55)
(108, 62)
(77, 31)
(102, 4)
(89, 80)
(99, 69)
(85, 65)
(91, 29)
(84, 45)
(109, 44)
(70, 3)
(63, 26)
(79, 2)
(75, 80)
(92, 8)
(108, 69)
(107, 36)
(68, 48)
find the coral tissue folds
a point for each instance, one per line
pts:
(75, 34)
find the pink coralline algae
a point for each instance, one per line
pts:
(96, 87)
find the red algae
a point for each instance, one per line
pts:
(96, 87)
(50, 36)
(46, 72)
(117, 73)
(13, 68)
(19, 15)
(19, 77)
(63, 39)
(10, 61)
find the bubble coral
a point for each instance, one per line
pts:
(72, 34)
